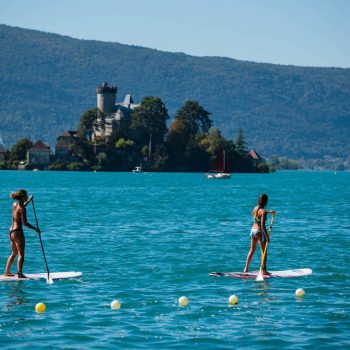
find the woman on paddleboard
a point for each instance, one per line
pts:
(258, 232)
(16, 234)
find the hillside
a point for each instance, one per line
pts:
(48, 80)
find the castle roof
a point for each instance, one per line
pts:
(61, 143)
(68, 134)
(254, 154)
(128, 100)
(40, 146)
(127, 106)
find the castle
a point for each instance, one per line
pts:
(117, 115)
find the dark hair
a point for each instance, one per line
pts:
(263, 199)
(19, 194)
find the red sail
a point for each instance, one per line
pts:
(219, 164)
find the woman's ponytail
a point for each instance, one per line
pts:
(18, 194)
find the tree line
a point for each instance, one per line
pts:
(189, 144)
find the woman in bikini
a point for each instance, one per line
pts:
(258, 231)
(17, 239)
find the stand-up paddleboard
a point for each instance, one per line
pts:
(272, 274)
(41, 276)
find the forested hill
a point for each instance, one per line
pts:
(48, 80)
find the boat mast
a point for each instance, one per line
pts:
(224, 160)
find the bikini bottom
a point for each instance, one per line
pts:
(16, 230)
(254, 233)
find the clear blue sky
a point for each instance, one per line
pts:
(298, 32)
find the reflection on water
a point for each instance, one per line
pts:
(16, 294)
(263, 286)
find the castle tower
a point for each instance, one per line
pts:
(106, 96)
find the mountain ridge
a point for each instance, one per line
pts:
(49, 80)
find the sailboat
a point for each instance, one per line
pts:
(137, 169)
(219, 170)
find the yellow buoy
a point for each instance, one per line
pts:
(115, 304)
(233, 300)
(183, 301)
(40, 307)
(300, 292)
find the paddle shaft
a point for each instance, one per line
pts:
(41, 242)
(267, 243)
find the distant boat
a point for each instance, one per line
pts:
(36, 169)
(138, 169)
(219, 170)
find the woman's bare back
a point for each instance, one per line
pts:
(18, 214)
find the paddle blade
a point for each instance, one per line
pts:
(49, 280)
(260, 276)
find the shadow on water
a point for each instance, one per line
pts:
(264, 288)
(16, 294)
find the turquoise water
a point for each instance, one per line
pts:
(147, 239)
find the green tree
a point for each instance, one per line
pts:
(240, 143)
(263, 168)
(90, 122)
(161, 158)
(117, 134)
(194, 117)
(149, 120)
(213, 141)
(197, 159)
(283, 163)
(124, 144)
(82, 149)
(76, 166)
(19, 150)
(102, 159)
(177, 139)
(191, 122)
(58, 165)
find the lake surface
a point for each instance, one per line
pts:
(148, 239)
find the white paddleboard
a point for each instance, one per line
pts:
(42, 275)
(272, 274)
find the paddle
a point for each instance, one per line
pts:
(260, 276)
(49, 280)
